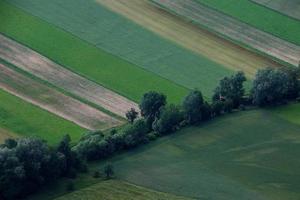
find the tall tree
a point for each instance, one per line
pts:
(131, 115)
(192, 105)
(272, 86)
(231, 88)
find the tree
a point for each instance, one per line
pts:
(192, 107)
(169, 120)
(108, 171)
(272, 86)
(231, 88)
(151, 104)
(131, 115)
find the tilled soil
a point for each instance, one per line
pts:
(53, 101)
(234, 29)
(34, 63)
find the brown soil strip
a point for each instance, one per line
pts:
(5, 134)
(54, 101)
(189, 36)
(234, 29)
(42, 67)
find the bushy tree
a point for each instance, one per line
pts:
(151, 104)
(135, 134)
(169, 120)
(131, 115)
(231, 88)
(272, 86)
(192, 106)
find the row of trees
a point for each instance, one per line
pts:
(26, 164)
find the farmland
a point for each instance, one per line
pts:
(234, 30)
(248, 155)
(287, 7)
(147, 50)
(83, 58)
(189, 36)
(52, 101)
(252, 14)
(150, 94)
(25, 119)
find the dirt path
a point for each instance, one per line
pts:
(54, 101)
(189, 36)
(236, 30)
(40, 66)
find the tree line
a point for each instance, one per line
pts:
(26, 164)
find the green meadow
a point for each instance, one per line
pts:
(260, 17)
(83, 58)
(119, 36)
(28, 120)
(246, 155)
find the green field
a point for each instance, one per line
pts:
(28, 120)
(260, 17)
(121, 37)
(118, 190)
(83, 58)
(290, 112)
(245, 155)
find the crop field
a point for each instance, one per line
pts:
(131, 42)
(251, 13)
(247, 155)
(24, 119)
(83, 58)
(192, 37)
(287, 7)
(40, 66)
(116, 190)
(290, 112)
(235, 30)
(53, 101)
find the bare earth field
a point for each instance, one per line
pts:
(287, 7)
(235, 30)
(54, 101)
(5, 134)
(189, 36)
(40, 66)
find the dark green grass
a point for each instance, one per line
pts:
(260, 17)
(26, 119)
(113, 33)
(246, 155)
(83, 58)
(290, 112)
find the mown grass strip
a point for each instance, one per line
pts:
(87, 60)
(28, 120)
(260, 17)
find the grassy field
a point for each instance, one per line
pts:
(260, 17)
(122, 37)
(83, 58)
(287, 7)
(290, 112)
(118, 190)
(25, 119)
(247, 155)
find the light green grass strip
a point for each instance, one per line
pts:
(290, 112)
(260, 17)
(83, 58)
(26, 119)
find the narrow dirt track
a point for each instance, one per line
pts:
(54, 101)
(42, 67)
(234, 29)
(189, 36)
